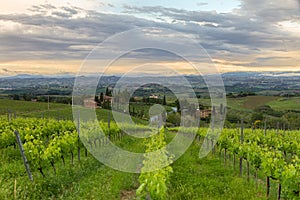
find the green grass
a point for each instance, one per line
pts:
(207, 178)
(23, 107)
(277, 103)
(249, 102)
(243, 103)
(292, 103)
(252, 102)
(56, 111)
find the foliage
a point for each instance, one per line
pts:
(154, 183)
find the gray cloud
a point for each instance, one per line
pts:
(50, 32)
(55, 36)
(249, 26)
(72, 11)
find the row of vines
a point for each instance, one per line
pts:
(273, 153)
(48, 141)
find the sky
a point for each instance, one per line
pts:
(55, 37)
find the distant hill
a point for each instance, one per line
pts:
(34, 76)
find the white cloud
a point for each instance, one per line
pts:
(67, 32)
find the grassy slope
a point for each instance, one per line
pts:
(63, 111)
(277, 103)
(22, 107)
(292, 103)
(250, 102)
(40, 109)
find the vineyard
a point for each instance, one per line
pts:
(267, 161)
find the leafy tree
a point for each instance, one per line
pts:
(201, 106)
(266, 109)
(132, 99)
(174, 118)
(233, 117)
(16, 97)
(97, 98)
(27, 97)
(164, 101)
(101, 97)
(257, 116)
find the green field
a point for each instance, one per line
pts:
(251, 102)
(23, 107)
(55, 111)
(292, 103)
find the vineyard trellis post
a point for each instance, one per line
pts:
(279, 191)
(108, 119)
(15, 189)
(26, 164)
(78, 136)
(242, 141)
(213, 128)
(268, 187)
(108, 124)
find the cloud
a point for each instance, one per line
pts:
(202, 4)
(54, 36)
(247, 30)
(70, 33)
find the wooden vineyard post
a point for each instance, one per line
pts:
(256, 177)
(225, 151)
(234, 161)
(222, 111)
(108, 124)
(242, 141)
(23, 155)
(213, 129)
(248, 170)
(108, 120)
(15, 189)
(268, 187)
(279, 191)
(78, 136)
